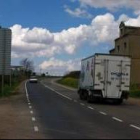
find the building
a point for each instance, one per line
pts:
(128, 43)
(5, 51)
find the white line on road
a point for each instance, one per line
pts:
(90, 107)
(36, 129)
(114, 118)
(53, 82)
(58, 93)
(136, 127)
(75, 101)
(31, 112)
(63, 96)
(30, 107)
(103, 113)
(33, 119)
(27, 95)
(82, 104)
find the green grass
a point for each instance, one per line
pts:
(135, 91)
(8, 91)
(135, 94)
(71, 82)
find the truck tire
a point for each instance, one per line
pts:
(82, 94)
(120, 101)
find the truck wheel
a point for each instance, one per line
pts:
(81, 94)
(120, 101)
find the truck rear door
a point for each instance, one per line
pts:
(113, 79)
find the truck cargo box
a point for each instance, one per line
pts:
(105, 76)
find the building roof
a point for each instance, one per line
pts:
(112, 50)
(135, 31)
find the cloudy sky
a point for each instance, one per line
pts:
(57, 34)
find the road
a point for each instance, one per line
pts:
(62, 115)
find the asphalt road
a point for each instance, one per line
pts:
(62, 115)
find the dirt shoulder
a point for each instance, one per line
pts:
(135, 101)
(15, 117)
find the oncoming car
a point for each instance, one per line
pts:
(33, 79)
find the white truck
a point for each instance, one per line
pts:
(105, 76)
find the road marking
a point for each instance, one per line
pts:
(82, 104)
(75, 101)
(29, 103)
(58, 93)
(103, 113)
(63, 96)
(90, 107)
(53, 82)
(27, 95)
(117, 119)
(31, 112)
(36, 129)
(136, 127)
(30, 107)
(33, 119)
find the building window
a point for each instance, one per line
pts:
(121, 31)
(118, 47)
(125, 46)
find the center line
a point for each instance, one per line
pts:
(103, 113)
(136, 127)
(31, 112)
(59, 93)
(75, 101)
(36, 129)
(90, 107)
(33, 119)
(30, 107)
(117, 119)
(82, 104)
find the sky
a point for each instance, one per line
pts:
(57, 34)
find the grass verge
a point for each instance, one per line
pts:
(70, 82)
(135, 93)
(8, 91)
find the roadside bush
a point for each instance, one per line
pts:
(71, 82)
(7, 91)
(135, 94)
(73, 74)
(135, 91)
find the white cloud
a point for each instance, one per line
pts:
(112, 5)
(54, 65)
(78, 12)
(133, 21)
(39, 42)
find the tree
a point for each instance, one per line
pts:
(28, 66)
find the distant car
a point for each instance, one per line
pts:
(33, 79)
